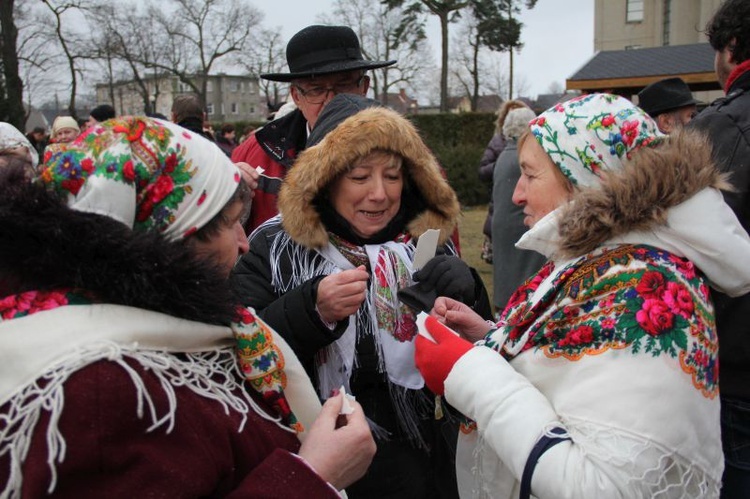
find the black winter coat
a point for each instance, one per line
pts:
(727, 122)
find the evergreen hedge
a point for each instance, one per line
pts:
(458, 141)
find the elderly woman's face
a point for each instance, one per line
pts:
(541, 188)
(229, 243)
(369, 195)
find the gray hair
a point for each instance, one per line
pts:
(517, 122)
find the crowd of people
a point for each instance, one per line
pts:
(183, 315)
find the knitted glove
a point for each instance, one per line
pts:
(448, 276)
(435, 360)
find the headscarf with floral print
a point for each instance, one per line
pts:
(591, 134)
(144, 172)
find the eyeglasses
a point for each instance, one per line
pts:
(317, 95)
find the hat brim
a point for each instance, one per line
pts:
(336, 67)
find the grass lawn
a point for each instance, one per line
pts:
(470, 234)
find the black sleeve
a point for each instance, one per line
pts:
(291, 314)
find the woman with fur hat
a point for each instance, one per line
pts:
(327, 271)
(601, 377)
(125, 368)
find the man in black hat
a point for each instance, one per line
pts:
(323, 61)
(669, 102)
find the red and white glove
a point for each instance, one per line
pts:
(436, 359)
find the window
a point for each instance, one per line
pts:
(634, 13)
(210, 108)
(209, 86)
(235, 108)
(234, 86)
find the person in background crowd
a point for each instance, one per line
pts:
(126, 368)
(727, 122)
(64, 129)
(326, 273)
(225, 138)
(513, 265)
(669, 102)
(15, 149)
(487, 167)
(323, 61)
(601, 378)
(99, 114)
(189, 112)
(38, 139)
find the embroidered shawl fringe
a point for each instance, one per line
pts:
(411, 405)
(213, 375)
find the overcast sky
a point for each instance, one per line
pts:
(558, 36)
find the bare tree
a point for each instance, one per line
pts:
(61, 12)
(266, 55)
(447, 11)
(200, 33)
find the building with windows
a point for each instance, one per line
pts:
(639, 42)
(229, 98)
(633, 24)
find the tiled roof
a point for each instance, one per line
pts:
(668, 60)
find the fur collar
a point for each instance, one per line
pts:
(46, 245)
(638, 197)
(358, 135)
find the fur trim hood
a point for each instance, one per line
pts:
(355, 137)
(638, 197)
(45, 245)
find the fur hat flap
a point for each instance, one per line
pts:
(657, 178)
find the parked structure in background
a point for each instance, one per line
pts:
(229, 98)
(639, 42)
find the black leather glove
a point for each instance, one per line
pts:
(448, 276)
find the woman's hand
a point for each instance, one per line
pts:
(249, 174)
(339, 453)
(341, 294)
(461, 318)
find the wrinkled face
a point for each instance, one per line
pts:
(673, 120)
(66, 135)
(15, 155)
(228, 243)
(312, 94)
(541, 188)
(369, 195)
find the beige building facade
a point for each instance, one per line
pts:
(229, 98)
(632, 24)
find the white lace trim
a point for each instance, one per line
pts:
(213, 375)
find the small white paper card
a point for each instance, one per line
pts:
(426, 247)
(422, 328)
(260, 170)
(346, 407)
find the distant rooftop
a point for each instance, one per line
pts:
(627, 71)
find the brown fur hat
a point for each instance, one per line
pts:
(637, 197)
(364, 131)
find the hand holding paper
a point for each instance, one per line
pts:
(438, 348)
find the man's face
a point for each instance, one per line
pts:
(312, 94)
(723, 65)
(91, 122)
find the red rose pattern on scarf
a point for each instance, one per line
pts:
(601, 302)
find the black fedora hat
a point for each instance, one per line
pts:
(665, 95)
(321, 50)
